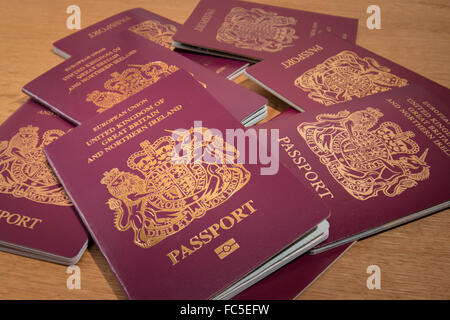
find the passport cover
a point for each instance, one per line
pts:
(326, 70)
(36, 216)
(83, 86)
(256, 31)
(177, 231)
(148, 25)
(290, 281)
(376, 162)
(227, 68)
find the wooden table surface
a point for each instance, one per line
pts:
(414, 258)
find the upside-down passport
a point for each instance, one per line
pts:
(377, 162)
(254, 31)
(149, 26)
(174, 213)
(37, 218)
(83, 86)
(326, 70)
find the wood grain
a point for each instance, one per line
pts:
(414, 258)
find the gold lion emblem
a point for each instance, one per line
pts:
(123, 85)
(155, 31)
(24, 171)
(257, 29)
(162, 197)
(346, 76)
(366, 159)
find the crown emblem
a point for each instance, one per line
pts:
(161, 197)
(127, 82)
(123, 85)
(29, 130)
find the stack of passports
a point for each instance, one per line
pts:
(148, 25)
(169, 202)
(176, 224)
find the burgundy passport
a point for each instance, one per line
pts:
(326, 70)
(376, 162)
(253, 31)
(147, 25)
(178, 230)
(37, 218)
(293, 279)
(83, 86)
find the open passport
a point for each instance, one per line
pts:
(37, 218)
(173, 205)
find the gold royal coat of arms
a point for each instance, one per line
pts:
(156, 32)
(366, 159)
(346, 76)
(163, 196)
(24, 171)
(257, 30)
(123, 85)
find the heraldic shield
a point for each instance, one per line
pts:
(163, 196)
(257, 30)
(346, 76)
(365, 158)
(24, 171)
(127, 83)
(155, 31)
